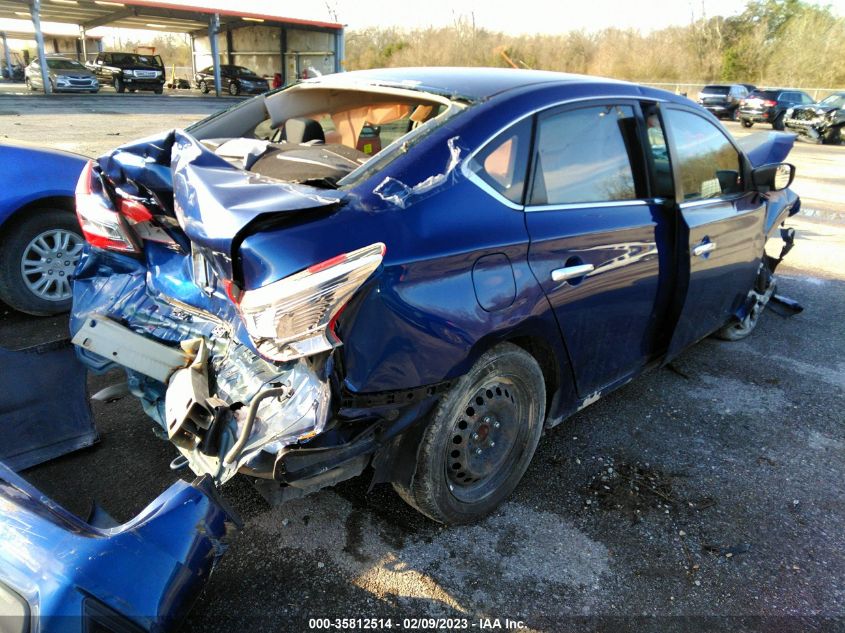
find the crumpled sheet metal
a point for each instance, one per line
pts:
(214, 200)
(398, 193)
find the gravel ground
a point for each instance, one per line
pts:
(734, 453)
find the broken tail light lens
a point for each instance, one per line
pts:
(101, 224)
(293, 317)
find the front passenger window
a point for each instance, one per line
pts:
(709, 164)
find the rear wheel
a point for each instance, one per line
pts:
(778, 122)
(204, 87)
(37, 260)
(480, 439)
(747, 123)
(734, 116)
(119, 85)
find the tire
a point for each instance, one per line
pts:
(119, 85)
(734, 116)
(777, 124)
(28, 243)
(29, 84)
(133, 90)
(764, 286)
(234, 89)
(497, 408)
(746, 123)
(159, 91)
(204, 88)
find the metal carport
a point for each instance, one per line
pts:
(198, 21)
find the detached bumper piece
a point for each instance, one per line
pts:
(82, 576)
(44, 411)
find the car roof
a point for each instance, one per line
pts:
(470, 83)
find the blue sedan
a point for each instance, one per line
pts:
(290, 307)
(41, 238)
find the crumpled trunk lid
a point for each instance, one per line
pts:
(216, 203)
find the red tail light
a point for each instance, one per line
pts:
(101, 224)
(769, 103)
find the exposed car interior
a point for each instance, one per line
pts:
(318, 134)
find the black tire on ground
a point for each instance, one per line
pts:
(17, 239)
(746, 123)
(734, 116)
(204, 87)
(777, 124)
(159, 91)
(234, 88)
(119, 85)
(132, 89)
(497, 408)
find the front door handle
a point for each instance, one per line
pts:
(571, 272)
(704, 248)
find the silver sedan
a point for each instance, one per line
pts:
(65, 75)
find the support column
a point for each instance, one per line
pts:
(84, 45)
(193, 60)
(8, 56)
(339, 51)
(35, 13)
(213, 30)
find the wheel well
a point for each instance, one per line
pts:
(545, 357)
(65, 203)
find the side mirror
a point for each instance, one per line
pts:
(773, 177)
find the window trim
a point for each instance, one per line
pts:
(478, 182)
(634, 103)
(745, 167)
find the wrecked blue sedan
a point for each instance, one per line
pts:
(293, 304)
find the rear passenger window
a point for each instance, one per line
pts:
(708, 163)
(503, 162)
(583, 156)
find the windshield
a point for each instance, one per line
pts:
(834, 101)
(64, 64)
(717, 90)
(132, 58)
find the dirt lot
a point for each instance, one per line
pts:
(735, 457)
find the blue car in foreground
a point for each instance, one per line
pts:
(296, 310)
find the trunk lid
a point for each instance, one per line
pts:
(216, 203)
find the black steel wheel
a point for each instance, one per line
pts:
(480, 439)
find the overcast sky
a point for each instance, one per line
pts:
(522, 16)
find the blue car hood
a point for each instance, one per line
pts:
(766, 148)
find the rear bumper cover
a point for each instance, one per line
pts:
(143, 575)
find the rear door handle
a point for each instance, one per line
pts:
(571, 272)
(704, 248)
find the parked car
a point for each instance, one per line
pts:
(299, 311)
(770, 105)
(40, 237)
(129, 71)
(822, 121)
(722, 100)
(65, 75)
(233, 79)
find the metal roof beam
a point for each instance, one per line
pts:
(107, 19)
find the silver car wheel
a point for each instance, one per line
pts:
(49, 261)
